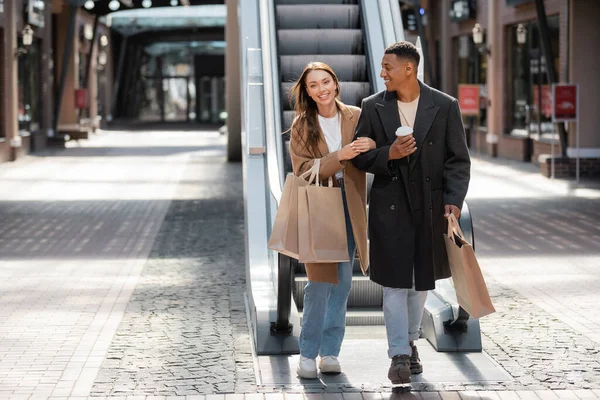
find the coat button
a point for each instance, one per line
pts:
(430, 142)
(394, 179)
(392, 207)
(427, 179)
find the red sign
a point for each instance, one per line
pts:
(546, 99)
(468, 99)
(81, 98)
(564, 106)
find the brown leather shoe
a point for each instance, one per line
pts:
(415, 362)
(399, 372)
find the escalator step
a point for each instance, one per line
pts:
(318, 16)
(300, 271)
(320, 41)
(288, 117)
(351, 93)
(364, 292)
(363, 316)
(352, 68)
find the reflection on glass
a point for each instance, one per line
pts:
(531, 101)
(28, 114)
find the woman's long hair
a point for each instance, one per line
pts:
(306, 108)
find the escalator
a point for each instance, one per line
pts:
(280, 37)
(330, 32)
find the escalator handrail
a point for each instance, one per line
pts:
(397, 20)
(274, 142)
(272, 98)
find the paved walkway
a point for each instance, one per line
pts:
(121, 274)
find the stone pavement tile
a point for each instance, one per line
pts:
(254, 396)
(585, 394)
(450, 395)
(430, 395)
(347, 396)
(469, 395)
(566, 395)
(528, 395)
(546, 394)
(314, 396)
(371, 396)
(489, 395)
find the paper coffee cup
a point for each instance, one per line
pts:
(404, 131)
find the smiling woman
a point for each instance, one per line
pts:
(323, 130)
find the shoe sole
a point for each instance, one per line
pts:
(331, 371)
(301, 376)
(398, 380)
(416, 370)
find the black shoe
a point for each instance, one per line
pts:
(415, 362)
(399, 372)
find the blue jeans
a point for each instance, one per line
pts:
(324, 314)
(402, 312)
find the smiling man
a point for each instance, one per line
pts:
(420, 179)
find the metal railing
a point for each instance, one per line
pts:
(275, 168)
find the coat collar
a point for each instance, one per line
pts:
(347, 128)
(387, 108)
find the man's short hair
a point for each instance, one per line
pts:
(405, 50)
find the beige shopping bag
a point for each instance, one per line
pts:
(284, 235)
(471, 290)
(321, 223)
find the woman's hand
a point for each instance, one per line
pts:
(363, 144)
(348, 152)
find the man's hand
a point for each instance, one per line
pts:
(363, 144)
(403, 146)
(450, 208)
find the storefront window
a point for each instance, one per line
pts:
(471, 68)
(29, 112)
(530, 99)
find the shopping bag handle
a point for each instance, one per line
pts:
(313, 172)
(454, 228)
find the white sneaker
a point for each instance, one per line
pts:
(307, 368)
(330, 365)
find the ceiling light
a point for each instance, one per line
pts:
(89, 4)
(114, 5)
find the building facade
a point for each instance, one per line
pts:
(84, 84)
(509, 65)
(26, 76)
(41, 103)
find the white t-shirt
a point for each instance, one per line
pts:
(408, 112)
(332, 129)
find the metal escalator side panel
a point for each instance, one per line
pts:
(373, 36)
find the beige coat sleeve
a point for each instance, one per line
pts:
(302, 160)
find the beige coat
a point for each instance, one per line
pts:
(355, 186)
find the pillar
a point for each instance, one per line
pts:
(232, 83)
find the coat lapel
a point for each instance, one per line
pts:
(426, 112)
(347, 131)
(387, 109)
